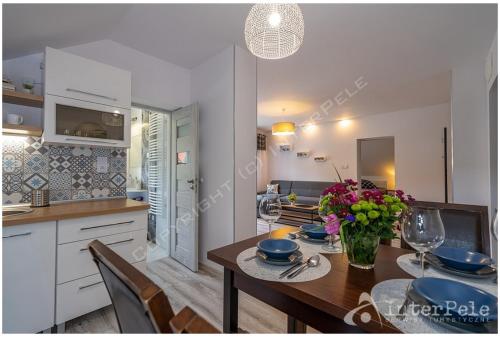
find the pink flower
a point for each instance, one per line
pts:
(332, 225)
(332, 228)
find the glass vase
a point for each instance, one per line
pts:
(361, 249)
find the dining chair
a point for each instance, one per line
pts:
(465, 226)
(140, 305)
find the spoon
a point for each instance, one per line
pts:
(313, 261)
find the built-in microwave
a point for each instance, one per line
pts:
(73, 121)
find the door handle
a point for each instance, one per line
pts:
(15, 235)
(191, 181)
(92, 141)
(91, 94)
(110, 244)
(90, 285)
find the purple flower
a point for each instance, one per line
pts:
(350, 182)
(367, 194)
(351, 198)
(350, 218)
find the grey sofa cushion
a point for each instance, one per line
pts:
(307, 200)
(310, 188)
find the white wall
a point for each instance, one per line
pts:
(212, 87)
(224, 87)
(154, 82)
(470, 135)
(245, 142)
(418, 149)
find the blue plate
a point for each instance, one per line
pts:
(314, 231)
(461, 259)
(459, 300)
(277, 249)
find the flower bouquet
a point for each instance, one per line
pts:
(361, 220)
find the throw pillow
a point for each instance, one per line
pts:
(272, 188)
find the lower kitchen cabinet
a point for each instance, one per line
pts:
(49, 276)
(29, 277)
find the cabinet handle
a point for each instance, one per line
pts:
(90, 285)
(109, 244)
(92, 141)
(14, 235)
(91, 94)
(107, 225)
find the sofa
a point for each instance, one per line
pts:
(308, 192)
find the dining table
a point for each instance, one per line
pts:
(322, 303)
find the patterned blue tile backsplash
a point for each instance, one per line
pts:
(69, 172)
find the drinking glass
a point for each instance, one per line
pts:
(423, 230)
(270, 209)
(330, 245)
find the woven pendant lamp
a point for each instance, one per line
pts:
(274, 31)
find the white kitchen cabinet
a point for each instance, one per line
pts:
(73, 121)
(79, 284)
(29, 271)
(71, 230)
(72, 76)
(75, 261)
(85, 102)
(82, 296)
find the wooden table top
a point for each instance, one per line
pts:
(336, 293)
(301, 207)
(78, 209)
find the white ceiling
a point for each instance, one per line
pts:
(403, 51)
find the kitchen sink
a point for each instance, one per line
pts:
(10, 211)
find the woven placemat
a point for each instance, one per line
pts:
(264, 271)
(415, 270)
(388, 297)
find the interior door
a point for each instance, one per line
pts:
(184, 187)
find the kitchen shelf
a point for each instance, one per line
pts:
(23, 130)
(21, 98)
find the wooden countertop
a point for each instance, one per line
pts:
(77, 209)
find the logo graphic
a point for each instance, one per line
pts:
(365, 300)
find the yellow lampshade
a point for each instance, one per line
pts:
(283, 129)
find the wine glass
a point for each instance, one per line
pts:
(270, 209)
(423, 230)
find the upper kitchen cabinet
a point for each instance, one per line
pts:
(86, 102)
(72, 76)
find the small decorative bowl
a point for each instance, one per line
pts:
(461, 259)
(314, 231)
(278, 249)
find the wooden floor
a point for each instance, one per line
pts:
(202, 291)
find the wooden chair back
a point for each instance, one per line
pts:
(140, 305)
(465, 226)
